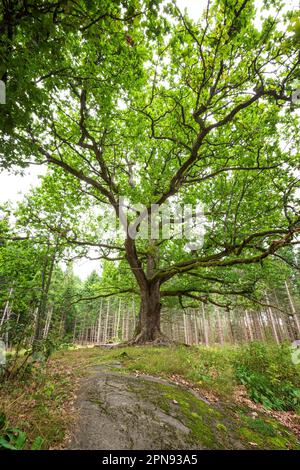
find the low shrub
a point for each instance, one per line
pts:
(15, 439)
(269, 375)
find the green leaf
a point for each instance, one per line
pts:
(37, 443)
(6, 445)
(20, 440)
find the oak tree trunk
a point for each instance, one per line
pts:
(148, 325)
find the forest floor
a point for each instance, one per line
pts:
(144, 398)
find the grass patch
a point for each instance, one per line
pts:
(209, 368)
(266, 370)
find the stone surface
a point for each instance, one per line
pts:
(121, 411)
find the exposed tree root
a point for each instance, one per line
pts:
(155, 337)
(139, 340)
(159, 341)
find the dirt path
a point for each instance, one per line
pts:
(121, 411)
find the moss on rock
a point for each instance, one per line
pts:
(218, 426)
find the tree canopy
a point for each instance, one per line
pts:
(136, 100)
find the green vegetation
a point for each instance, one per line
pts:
(134, 106)
(133, 109)
(266, 370)
(270, 376)
(40, 405)
(210, 368)
(36, 406)
(14, 439)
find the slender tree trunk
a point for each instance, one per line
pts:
(295, 326)
(106, 321)
(185, 328)
(205, 332)
(99, 323)
(272, 321)
(220, 327)
(48, 322)
(249, 325)
(74, 330)
(46, 282)
(123, 326)
(118, 320)
(133, 313)
(6, 308)
(195, 328)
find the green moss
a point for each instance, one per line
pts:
(194, 413)
(266, 435)
(221, 427)
(251, 437)
(279, 443)
(208, 426)
(261, 426)
(185, 407)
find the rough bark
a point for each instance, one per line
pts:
(148, 326)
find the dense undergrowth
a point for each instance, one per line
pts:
(270, 376)
(36, 410)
